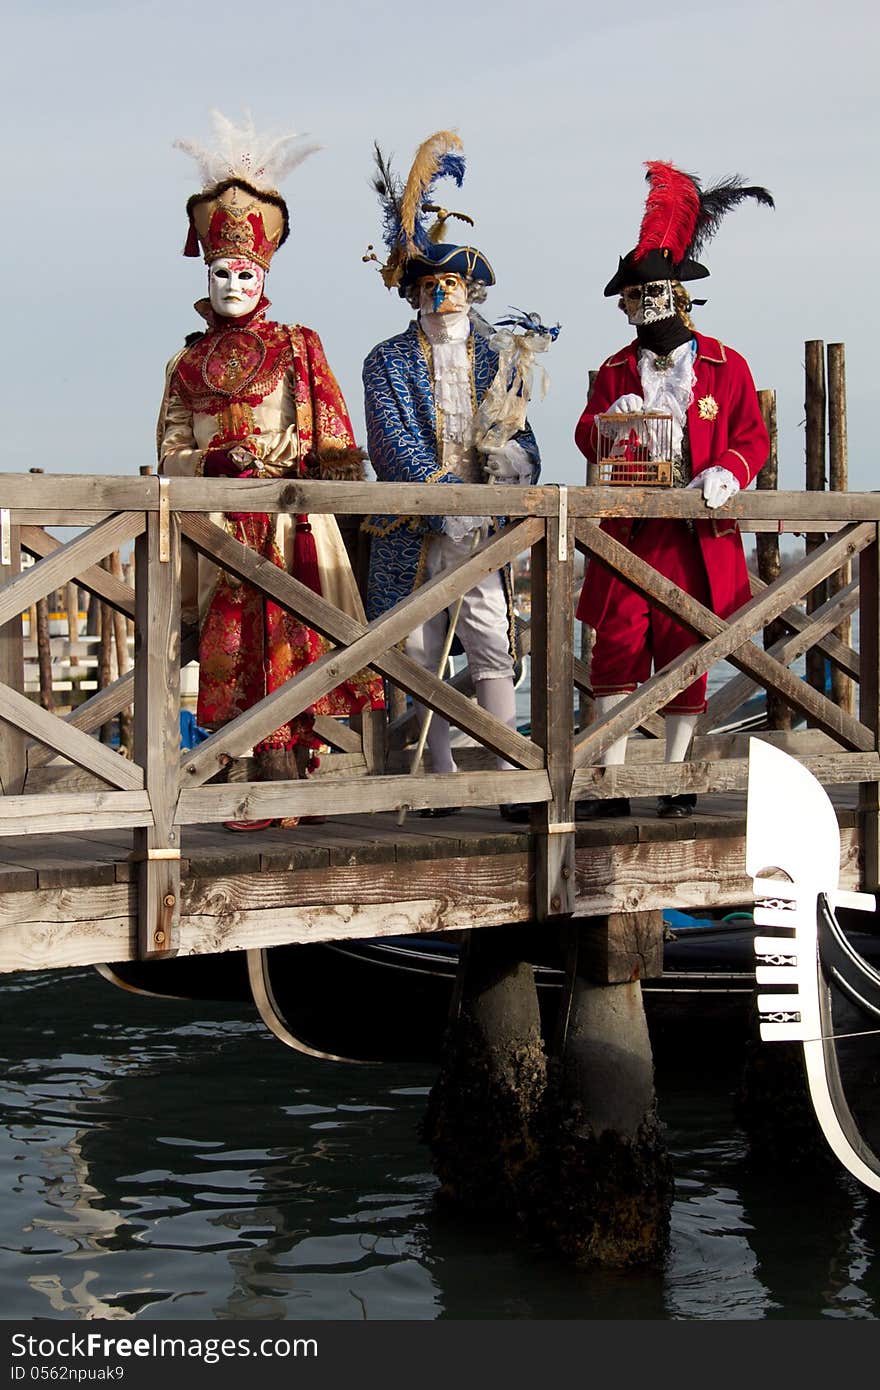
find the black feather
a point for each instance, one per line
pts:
(390, 190)
(716, 202)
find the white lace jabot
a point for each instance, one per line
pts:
(448, 335)
(670, 389)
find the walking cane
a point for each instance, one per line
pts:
(418, 754)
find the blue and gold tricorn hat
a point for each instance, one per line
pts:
(415, 249)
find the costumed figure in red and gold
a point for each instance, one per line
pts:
(719, 444)
(249, 397)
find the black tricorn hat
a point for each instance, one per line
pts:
(656, 265)
(680, 218)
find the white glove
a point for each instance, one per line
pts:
(459, 528)
(718, 485)
(509, 464)
(625, 405)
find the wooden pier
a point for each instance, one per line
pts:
(106, 858)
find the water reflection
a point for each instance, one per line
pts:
(170, 1161)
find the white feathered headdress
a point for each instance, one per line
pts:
(239, 211)
(241, 152)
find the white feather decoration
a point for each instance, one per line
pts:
(241, 152)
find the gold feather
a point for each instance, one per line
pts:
(424, 169)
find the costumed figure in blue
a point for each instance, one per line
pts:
(422, 391)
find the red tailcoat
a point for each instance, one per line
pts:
(725, 427)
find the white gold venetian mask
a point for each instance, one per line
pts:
(648, 303)
(442, 294)
(235, 285)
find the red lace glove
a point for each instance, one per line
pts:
(233, 462)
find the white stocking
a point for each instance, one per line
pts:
(679, 732)
(496, 695)
(615, 753)
(439, 744)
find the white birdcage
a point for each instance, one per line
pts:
(634, 449)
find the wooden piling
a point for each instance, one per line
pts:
(601, 1188)
(779, 714)
(815, 411)
(842, 688)
(483, 1106)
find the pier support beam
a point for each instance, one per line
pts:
(482, 1108)
(602, 1189)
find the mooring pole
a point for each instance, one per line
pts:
(602, 1187)
(483, 1105)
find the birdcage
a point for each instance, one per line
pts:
(635, 449)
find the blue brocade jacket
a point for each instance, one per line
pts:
(402, 442)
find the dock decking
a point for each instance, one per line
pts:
(72, 900)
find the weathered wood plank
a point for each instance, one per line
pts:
(552, 715)
(691, 875)
(349, 796)
(157, 731)
(93, 492)
(725, 639)
(96, 580)
(106, 704)
(64, 563)
(51, 813)
(655, 779)
(786, 650)
(869, 702)
(62, 738)
(12, 757)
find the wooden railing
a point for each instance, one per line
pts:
(160, 790)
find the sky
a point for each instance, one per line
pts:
(558, 104)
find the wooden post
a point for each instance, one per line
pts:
(552, 721)
(44, 646)
(71, 604)
(814, 407)
(842, 687)
(779, 714)
(105, 652)
(157, 730)
(120, 643)
(587, 634)
(12, 742)
(869, 704)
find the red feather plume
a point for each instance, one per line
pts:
(671, 211)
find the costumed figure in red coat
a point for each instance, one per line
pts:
(249, 397)
(719, 443)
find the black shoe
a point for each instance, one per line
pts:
(674, 807)
(595, 809)
(435, 811)
(519, 811)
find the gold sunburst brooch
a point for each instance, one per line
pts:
(708, 408)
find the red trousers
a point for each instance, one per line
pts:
(633, 634)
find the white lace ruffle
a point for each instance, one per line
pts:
(670, 389)
(448, 335)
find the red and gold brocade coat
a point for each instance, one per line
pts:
(267, 386)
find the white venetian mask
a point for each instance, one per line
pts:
(235, 285)
(648, 303)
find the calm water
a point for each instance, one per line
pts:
(170, 1161)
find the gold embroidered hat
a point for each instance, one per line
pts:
(239, 211)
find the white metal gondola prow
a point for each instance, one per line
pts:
(791, 826)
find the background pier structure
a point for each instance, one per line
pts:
(116, 854)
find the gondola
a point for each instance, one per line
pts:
(825, 980)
